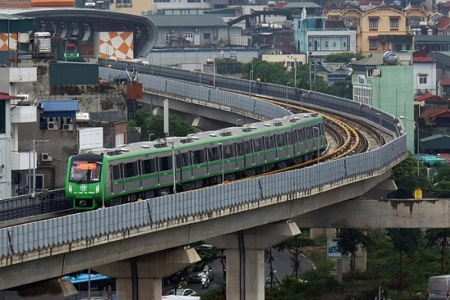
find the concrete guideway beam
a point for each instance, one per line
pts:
(255, 241)
(150, 269)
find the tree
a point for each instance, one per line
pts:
(295, 246)
(349, 240)
(406, 241)
(439, 237)
(342, 57)
(154, 125)
(268, 72)
(405, 176)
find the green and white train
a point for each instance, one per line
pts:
(151, 169)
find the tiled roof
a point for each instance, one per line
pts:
(445, 81)
(443, 23)
(424, 97)
(423, 60)
(436, 113)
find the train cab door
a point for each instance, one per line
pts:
(117, 178)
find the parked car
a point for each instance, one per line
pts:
(196, 274)
(182, 292)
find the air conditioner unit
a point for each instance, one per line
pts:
(376, 72)
(68, 126)
(46, 156)
(52, 125)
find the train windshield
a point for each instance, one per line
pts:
(85, 171)
(71, 47)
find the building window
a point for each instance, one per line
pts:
(189, 36)
(423, 79)
(373, 23)
(394, 22)
(207, 36)
(362, 95)
(168, 39)
(39, 182)
(373, 43)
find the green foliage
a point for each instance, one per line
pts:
(405, 176)
(342, 57)
(349, 240)
(153, 126)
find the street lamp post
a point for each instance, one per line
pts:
(237, 122)
(149, 136)
(223, 162)
(295, 72)
(214, 75)
(174, 169)
(310, 82)
(318, 145)
(418, 141)
(380, 134)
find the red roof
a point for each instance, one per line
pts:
(445, 81)
(424, 97)
(419, 59)
(446, 4)
(443, 23)
(440, 113)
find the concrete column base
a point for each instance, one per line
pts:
(151, 269)
(250, 282)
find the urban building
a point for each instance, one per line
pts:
(190, 31)
(387, 83)
(317, 37)
(381, 28)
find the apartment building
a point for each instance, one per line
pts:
(381, 28)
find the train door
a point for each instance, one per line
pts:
(271, 150)
(198, 162)
(240, 159)
(117, 179)
(301, 136)
(258, 150)
(248, 154)
(132, 176)
(184, 164)
(214, 165)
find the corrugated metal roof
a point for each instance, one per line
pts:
(58, 105)
(188, 21)
(302, 4)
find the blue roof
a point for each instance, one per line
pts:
(85, 278)
(58, 108)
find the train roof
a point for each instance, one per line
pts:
(207, 137)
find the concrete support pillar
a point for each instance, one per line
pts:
(150, 269)
(250, 282)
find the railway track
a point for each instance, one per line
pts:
(345, 137)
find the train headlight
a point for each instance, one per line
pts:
(97, 188)
(70, 188)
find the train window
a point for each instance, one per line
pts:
(198, 157)
(239, 149)
(213, 153)
(165, 163)
(293, 137)
(270, 142)
(308, 133)
(116, 172)
(247, 147)
(258, 145)
(185, 161)
(288, 138)
(228, 151)
(149, 166)
(300, 135)
(130, 169)
(281, 140)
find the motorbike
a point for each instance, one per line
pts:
(205, 282)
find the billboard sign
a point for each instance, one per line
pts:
(332, 250)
